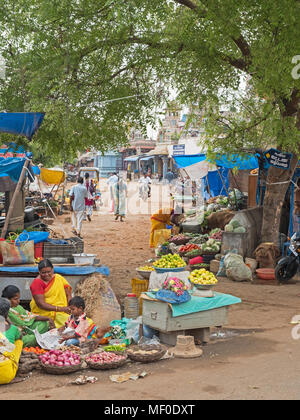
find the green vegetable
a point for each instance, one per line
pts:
(239, 229)
(235, 224)
(228, 228)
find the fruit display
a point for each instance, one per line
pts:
(202, 277)
(169, 261)
(146, 268)
(60, 358)
(188, 247)
(35, 350)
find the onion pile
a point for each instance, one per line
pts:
(60, 358)
(104, 357)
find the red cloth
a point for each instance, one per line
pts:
(196, 260)
(38, 287)
(90, 188)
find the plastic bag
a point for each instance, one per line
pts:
(36, 237)
(161, 236)
(171, 297)
(236, 269)
(48, 340)
(14, 254)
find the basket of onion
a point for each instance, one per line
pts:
(60, 362)
(106, 360)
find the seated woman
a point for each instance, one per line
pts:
(26, 321)
(10, 345)
(50, 294)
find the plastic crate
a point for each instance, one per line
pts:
(38, 250)
(75, 246)
(139, 286)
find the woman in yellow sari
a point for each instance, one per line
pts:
(159, 220)
(50, 294)
(10, 345)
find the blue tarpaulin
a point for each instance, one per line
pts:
(229, 162)
(63, 270)
(21, 123)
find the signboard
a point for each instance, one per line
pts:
(278, 159)
(178, 149)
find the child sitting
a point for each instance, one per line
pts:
(78, 321)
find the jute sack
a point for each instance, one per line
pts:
(101, 304)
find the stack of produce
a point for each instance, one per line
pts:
(202, 277)
(179, 239)
(199, 239)
(105, 360)
(216, 234)
(212, 246)
(169, 261)
(146, 268)
(234, 226)
(174, 285)
(60, 358)
(35, 350)
(184, 249)
(115, 347)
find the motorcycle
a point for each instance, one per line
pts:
(288, 266)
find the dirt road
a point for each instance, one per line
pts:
(257, 359)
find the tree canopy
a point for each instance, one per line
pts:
(75, 59)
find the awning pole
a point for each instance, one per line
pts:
(14, 197)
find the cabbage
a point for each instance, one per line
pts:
(235, 223)
(239, 229)
(228, 228)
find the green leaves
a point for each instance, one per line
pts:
(76, 60)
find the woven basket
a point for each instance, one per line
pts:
(60, 370)
(146, 358)
(112, 365)
(182, 241)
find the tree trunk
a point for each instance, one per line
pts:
(278, 181)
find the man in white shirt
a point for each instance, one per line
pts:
(145, 180)
(78, 194)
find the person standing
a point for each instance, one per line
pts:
(110, 182)
(89, 201)
(78, 194)
(145, 182)
(120, 194)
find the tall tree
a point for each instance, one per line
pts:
(72, 58)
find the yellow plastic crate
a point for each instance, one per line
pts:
(139, 286)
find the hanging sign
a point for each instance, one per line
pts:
(279, 159)
(178, 149)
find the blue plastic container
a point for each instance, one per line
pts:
(170, 270)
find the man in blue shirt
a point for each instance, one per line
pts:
(78, 194)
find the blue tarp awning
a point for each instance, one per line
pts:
(229, 162)
(21, 123)
(10, 171)
(131, 159)
(147, 158)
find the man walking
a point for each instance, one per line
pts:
(78, 194)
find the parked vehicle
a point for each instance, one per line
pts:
(288, 266)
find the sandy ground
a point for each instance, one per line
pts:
(258, 359)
